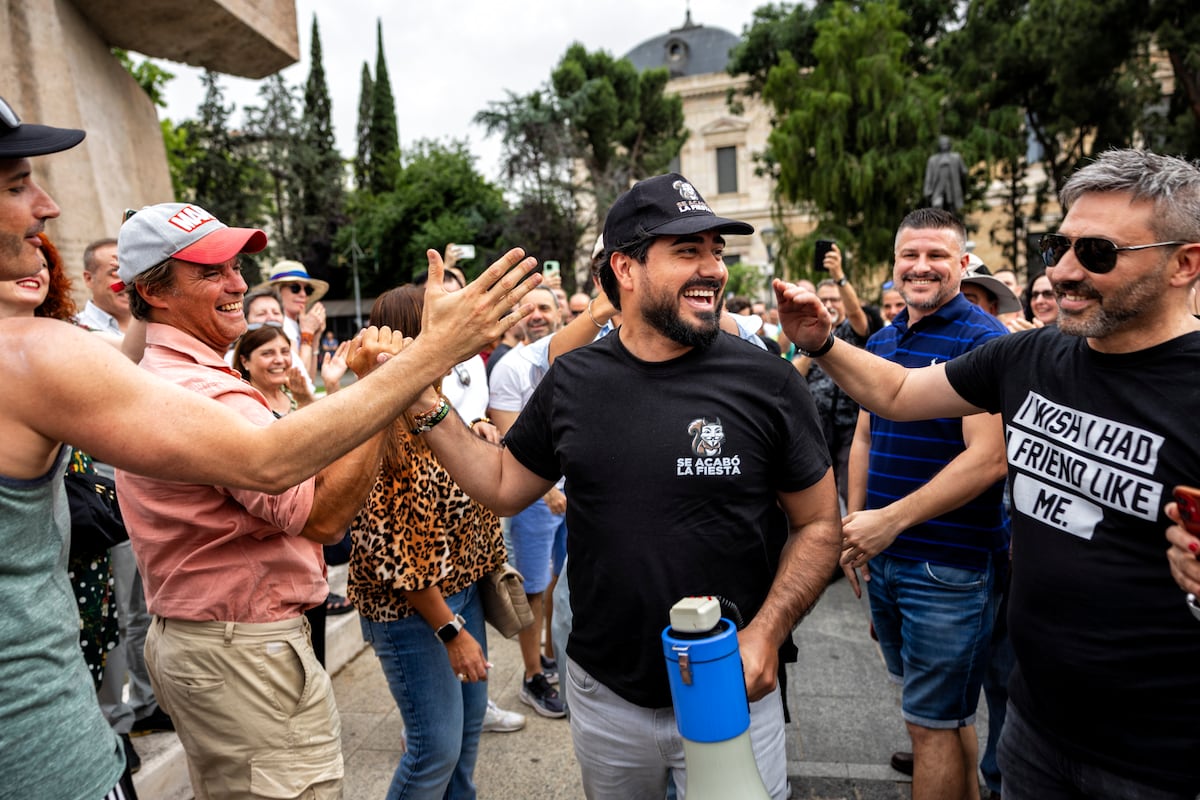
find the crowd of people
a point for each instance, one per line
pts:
(993, 463)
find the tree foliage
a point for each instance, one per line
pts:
(384, 137)
(852, 134)
(222, 177)
(362, 155)
(538, 163)
(319, 172)
(150, 76)
(623, 126)
(438, 198)
(271, 137)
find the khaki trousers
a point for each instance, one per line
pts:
(253, 708)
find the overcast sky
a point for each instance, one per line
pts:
(448, 60)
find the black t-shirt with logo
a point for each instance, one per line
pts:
(672, 474)
(1108, 654)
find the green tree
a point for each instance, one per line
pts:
(438, 198)
(150, 76)
(852, 134)
(538, 159)
(319, 171)
(272, 137)
(623, 126)
(223, 178)
(362, 158)
(384, 136)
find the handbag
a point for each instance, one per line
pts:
(505, 605)
(96, 521)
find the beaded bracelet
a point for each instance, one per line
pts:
(425, 422)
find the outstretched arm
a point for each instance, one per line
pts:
(877, 384)
(62, 385)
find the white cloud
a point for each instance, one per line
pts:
(447, 60)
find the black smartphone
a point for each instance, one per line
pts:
(823, 247)
(1188, 499)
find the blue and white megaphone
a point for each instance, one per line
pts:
(709, 693)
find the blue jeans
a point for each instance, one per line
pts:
(442, 716)
(934, 625)
(538, 538)
(1035, 769)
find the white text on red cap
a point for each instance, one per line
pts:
(189, 218)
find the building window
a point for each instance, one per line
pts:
(727, 182)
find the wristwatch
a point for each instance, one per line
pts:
(450, 630)
(841, 281)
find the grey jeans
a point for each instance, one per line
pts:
(627, 752)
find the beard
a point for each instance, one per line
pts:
(933, 303)
(662, 313)
(1115, 309)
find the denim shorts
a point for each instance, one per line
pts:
(539, 539)
(934, 624)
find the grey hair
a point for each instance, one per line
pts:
(1172, 184)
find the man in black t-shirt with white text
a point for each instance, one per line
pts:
(1100, 426)
(679, 446)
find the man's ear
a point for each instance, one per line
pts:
(152, 299)
(1186, 263)
(622, 266)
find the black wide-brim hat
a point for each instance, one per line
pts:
(22, 141)
(662, 206)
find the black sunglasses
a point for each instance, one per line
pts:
(297, 288)
(1095, 254)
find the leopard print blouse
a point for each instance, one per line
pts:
(418, 529)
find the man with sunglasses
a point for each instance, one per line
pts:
(1101, 425)
(61, 384)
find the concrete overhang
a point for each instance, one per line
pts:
(249, 38)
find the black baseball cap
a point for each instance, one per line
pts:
(661, 206)
(22, 141)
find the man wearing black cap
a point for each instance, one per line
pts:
(678, 465)
(61, 384)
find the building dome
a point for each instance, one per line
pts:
(688, 50)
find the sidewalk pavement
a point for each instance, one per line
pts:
(845, 720)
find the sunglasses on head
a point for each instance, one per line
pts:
(253, 326)
(297, 288)
(8, 116)
(1095, 254)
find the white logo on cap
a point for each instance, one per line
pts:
(686, 190)
(189, 218)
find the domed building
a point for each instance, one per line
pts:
(718, 157)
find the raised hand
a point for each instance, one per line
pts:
(460, 324)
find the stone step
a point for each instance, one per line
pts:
(164, 774)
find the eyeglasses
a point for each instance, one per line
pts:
(8, 116)
(297, 288)
(1095, 254)
(1045, 294)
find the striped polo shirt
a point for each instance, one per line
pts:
(906, 455)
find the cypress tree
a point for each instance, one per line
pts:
(384, 137)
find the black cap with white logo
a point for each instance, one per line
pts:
(661, 206)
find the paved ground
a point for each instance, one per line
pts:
(845, 721)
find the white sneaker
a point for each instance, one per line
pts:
(497, 720)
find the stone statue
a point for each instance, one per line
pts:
(945, 175)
